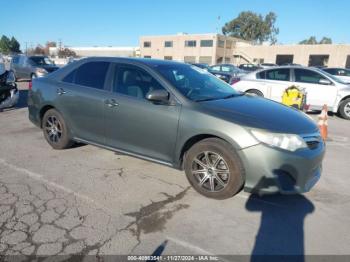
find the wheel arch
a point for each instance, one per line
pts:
(256, 90)
(42, 112)
(192, 141)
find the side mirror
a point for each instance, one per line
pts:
(158, 96)
(324, 82)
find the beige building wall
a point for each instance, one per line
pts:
(222, 47)
(338, 53)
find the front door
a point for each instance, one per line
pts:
(136, 125)
(319, 93)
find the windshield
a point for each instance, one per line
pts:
(196, 84)
(41, 60)
(334, 78)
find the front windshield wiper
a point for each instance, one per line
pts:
(218, 98)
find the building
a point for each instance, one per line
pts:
(190, 48)
(100, 51)
(216, 48)
(333, 55)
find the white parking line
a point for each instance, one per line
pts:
(40, 178)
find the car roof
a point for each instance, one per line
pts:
(146, 61)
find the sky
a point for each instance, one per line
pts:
(122, 22)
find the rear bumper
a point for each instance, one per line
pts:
(270, 170)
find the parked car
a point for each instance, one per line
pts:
(321, 87)
(267, 65)
(249, 67)
(202, 66)
(29, 67)
(174, 114)
(342, 73)
(226, 72)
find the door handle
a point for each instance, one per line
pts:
(111, 103)
(60, 91)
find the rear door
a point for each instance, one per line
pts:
(318, 91)
(81, 100)
(135, 124)
(276, 82)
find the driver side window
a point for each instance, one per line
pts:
(133, 81)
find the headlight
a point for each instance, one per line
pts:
(288, 142)
(41, 71)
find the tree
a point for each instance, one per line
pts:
(39, 50)
(325, 41)
(66, 52)
(313, 41)
(48, 45)
(5, 45)
(8, 45)
(14, 45)
(253, 27)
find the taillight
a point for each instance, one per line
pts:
(234, 81)
(30, 85)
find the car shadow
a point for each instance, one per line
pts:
(281, 233)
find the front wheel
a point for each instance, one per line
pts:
(214, 169)
(55, 130)
(344, 109)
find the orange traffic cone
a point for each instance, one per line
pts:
(323, 122)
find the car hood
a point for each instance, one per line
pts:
(261, 113)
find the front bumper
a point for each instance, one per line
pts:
(272, 170)
(12, 100)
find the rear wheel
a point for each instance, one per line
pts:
(55, 130)
(255, 92)
(344, 109)
(214, 169)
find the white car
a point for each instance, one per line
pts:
(321, 87)
(341, 73)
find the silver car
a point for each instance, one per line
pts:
(321, 87)
(29, 67)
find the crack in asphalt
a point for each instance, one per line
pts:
(153, 217)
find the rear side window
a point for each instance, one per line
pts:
(307, 76)
(261, 75)
(282, 74)
(91, 74)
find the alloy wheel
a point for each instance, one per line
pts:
(53, 128)
(211, 171)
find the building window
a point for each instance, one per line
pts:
(168, 58)
(168, 44)
(190, 59)
(284, 59)
(190, 43)
(147, 56)
(347, 64)
(205, 60)
(146, 44)
(206, 43)
(258, 60)
(221, 43)
(318, 60)
(228, 44)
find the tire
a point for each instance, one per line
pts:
(344, 109)
(255, 92)
(230, 167)
(55, 130)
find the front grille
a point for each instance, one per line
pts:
(312, 144)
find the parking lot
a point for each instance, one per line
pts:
(88, 200)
